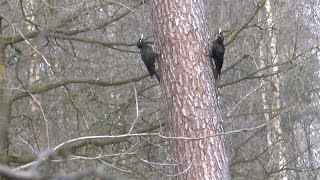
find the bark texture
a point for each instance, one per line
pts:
(188, 88)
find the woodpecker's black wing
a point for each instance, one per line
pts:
(217, 54)
(148, 57)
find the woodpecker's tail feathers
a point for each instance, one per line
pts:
(215, 74)
(157, 76)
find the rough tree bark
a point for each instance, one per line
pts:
(182, 37)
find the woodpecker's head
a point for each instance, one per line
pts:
(220, 37)
(140, 42)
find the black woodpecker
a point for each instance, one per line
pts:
(217, 54)
(148, 57)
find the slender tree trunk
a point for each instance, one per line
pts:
(264, 84)
(34, 71)
(4, 106)
(275, 136)
(182, 37)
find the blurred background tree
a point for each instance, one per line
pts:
(70, 69)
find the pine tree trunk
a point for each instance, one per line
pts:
(188, 87)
